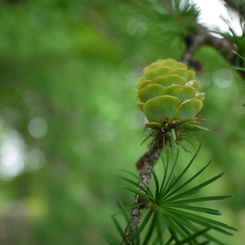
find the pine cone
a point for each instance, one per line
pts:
(169, 93)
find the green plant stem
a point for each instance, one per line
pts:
(148, 160)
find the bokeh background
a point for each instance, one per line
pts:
(69, 123)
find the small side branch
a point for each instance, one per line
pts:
(238, 7)
(148, 160)
(201, 36)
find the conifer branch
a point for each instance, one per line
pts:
(202, 36)
(199, 35)
(239, 8)
(148, 160)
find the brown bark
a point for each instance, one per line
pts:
(236, 6)
(148, 160)
(202, 36)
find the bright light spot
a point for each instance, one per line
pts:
(37, 127)
(132, 78)
(137, 26)
(35, 159)
(32, 98)
(104, 130)
(11, 155)
(212, 10)
(223, 78)
(134, 119)
(38, 18)
(118, 81)
(229, 94)
(121, 81)
(14, 158)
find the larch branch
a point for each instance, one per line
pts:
(148, 160)
(238, 7)
(202, 36)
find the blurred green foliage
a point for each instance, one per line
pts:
(69, 122)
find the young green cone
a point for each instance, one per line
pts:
(168, 92)
(169, 96)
